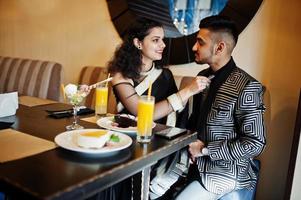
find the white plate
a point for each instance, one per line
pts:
(67, 140)
(106, 122)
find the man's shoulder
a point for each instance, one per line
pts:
(242, 74)
(239, 81)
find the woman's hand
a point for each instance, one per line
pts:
(85, 89)
(198, 84)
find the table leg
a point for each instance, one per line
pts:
(145, 181)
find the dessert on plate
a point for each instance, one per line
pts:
(124, 121)
(93, 139)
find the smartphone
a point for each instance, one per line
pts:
(171, 132)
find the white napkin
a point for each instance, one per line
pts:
(8, 104)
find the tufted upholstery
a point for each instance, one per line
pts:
(93, 74)
(30, 77)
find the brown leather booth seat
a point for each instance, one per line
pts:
(31, 77)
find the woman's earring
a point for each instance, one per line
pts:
(139, 47)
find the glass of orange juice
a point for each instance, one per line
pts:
(145, 118)
(101, 101)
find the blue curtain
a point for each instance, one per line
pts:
(189, 13)
(2, 196)
(217, 6)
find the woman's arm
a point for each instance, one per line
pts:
(129, 98)
(124, 89)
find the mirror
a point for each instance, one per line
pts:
(178, 49)
(187, 14)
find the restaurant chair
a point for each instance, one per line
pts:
(93, 74)
(29, 77)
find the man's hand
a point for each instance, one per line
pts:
(195, 149)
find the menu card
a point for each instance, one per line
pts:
(94, 119)
(15, 145)
(34, 101)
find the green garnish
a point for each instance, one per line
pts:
(114, 138)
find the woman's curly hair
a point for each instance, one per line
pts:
(127, 58)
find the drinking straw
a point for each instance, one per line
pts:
(149, 93)
(108, 81)
(63, 92)
(98, 83)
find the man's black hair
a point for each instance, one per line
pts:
(220, 23)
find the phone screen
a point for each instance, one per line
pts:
(171, 132)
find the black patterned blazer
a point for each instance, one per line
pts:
(230, 121)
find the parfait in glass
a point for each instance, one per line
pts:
(75, 96)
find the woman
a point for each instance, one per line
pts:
(136, 63)
(134, 66)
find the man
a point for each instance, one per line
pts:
(228, 117)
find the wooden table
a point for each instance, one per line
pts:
(62, 174)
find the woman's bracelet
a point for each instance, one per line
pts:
(175, 101)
